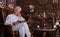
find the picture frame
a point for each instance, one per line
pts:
(10, 3)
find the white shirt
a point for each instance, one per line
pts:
(13, 18)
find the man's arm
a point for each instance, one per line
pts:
(7, 22)
(17, 22)
(21, 21)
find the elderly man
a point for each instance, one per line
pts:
(18, 22)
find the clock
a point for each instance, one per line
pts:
(44, 2)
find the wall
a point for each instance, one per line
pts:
(49, 7)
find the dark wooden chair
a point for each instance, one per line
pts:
(5, 12)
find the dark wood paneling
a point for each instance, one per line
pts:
(25, 3)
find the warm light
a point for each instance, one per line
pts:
(38, 26)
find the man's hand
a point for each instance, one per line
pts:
(15, 23)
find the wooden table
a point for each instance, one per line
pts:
(46, 30)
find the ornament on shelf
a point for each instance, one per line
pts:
(31, 7)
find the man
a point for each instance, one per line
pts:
(18, 22)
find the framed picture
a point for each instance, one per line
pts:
(10, 3)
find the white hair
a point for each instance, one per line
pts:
(18, 7)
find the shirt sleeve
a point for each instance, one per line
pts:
(8, 20)
(21, 19)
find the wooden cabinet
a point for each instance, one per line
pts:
(47, 22)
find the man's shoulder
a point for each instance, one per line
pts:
(10, 15)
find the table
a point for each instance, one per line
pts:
(47, 30)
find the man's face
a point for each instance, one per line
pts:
(17, 11)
